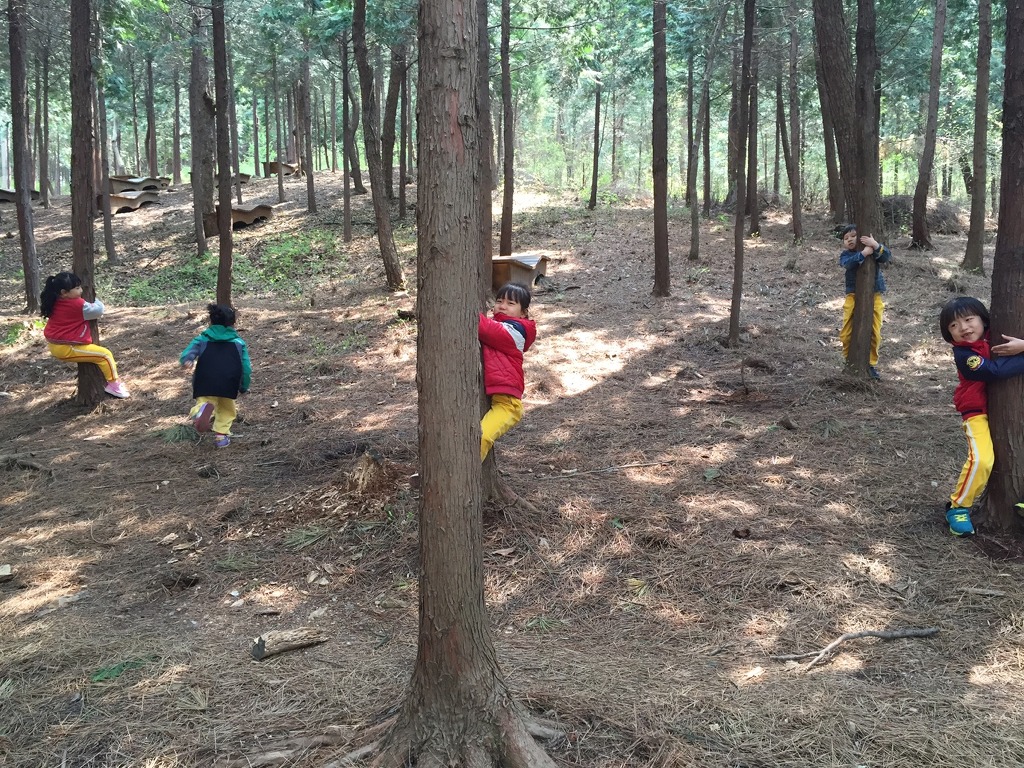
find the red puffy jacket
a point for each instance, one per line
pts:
(504, 339)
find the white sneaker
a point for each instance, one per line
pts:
(116, 388)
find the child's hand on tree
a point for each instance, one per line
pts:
(1012, 346)
(871, 243)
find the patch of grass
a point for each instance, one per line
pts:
(179, 433)
(305, 537)
(192, 278)
(236, 563)
(12, 333)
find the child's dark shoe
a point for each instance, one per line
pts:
(959, 519)
(203, 417)
(873, 373)
(223, 441)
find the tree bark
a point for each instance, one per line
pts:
(743, 101)
(176, 142)
(700, 127)
(793, 169)
(389, 254)
(201, 123)
(458, 710)
(1006, 485)
(592, 204)
(919, 235)
(659, 157)
(508, 135)
(753, 206)
(350, 133)
(836, 196)
(387, 133)
(83, 183)
(154, 168)
(16, 18)
(220, 84)
(306, 117)
(973, 261)
(346, 225)
(853, 101)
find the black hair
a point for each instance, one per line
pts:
(848, 228)
(518, 292)
(961, 306)
(62, 281)
(221, 314)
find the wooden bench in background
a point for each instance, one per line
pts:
(241, 216)
(122, 202)
(270, 168)
(242, 178)
(524, 268)
(119, 184)
(10, 196)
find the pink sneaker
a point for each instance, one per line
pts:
(116, 388)
(204, 416)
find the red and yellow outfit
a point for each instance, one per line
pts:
(976, 367)
(69, 338)
(503, 340)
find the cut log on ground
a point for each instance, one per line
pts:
(280, 640)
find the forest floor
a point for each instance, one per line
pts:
(698, 514)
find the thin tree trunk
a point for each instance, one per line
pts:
(508, 139)
(659, 155)
(749, 11)
(795, 186)
(389, 254)
(154, 169)
(201, 123)
(597, 146)
(346, 219)
(836, 194)
(919, 235)
(220, 81)
(17, 40)
(753, 206)
(176, 143)
(973, 261)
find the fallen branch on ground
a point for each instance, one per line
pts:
(613, 468)
(889, 634)
(11, 461)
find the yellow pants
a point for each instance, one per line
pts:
(87, 353)
(505, 413)
(975, 473)
(876, 330)
(223, 412)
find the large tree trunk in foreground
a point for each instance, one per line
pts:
(83, 185)
(389, 254)
(458, 711)
(1006, 419)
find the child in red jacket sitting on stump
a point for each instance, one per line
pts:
(67, 330)
(504, 339)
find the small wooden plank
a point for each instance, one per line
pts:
(270, 167)
(10, 196)
(241, 215)
(132, 200)
(280, 640)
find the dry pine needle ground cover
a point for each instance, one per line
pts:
(698, 514)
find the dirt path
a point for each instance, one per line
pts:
(699, 515)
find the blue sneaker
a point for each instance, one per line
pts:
(873, 373)
(959, 519)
